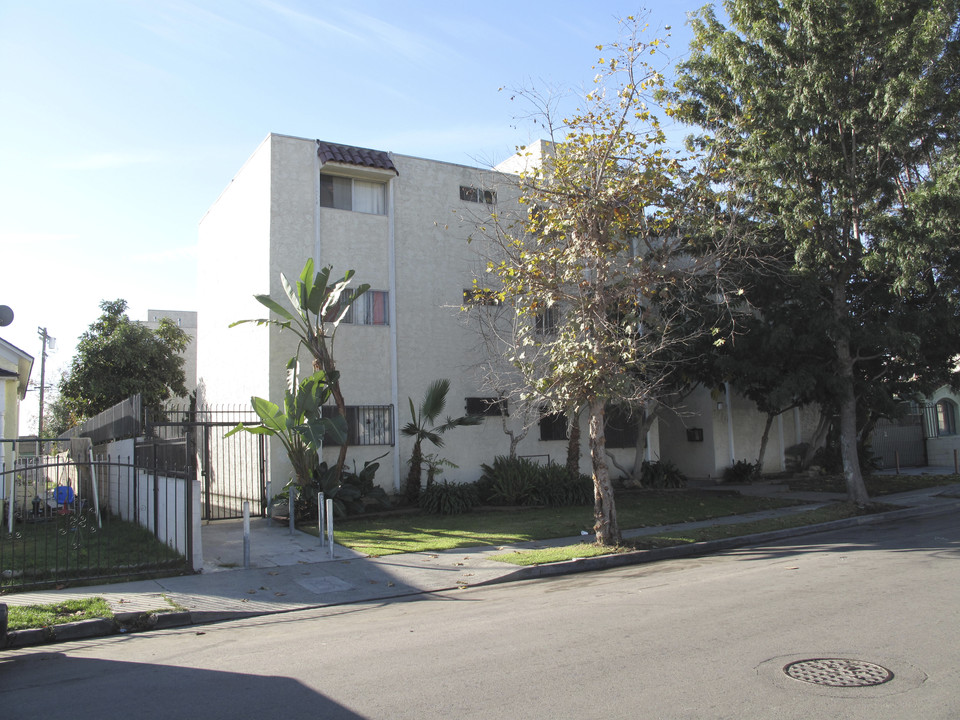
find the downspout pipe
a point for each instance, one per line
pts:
(394, 355)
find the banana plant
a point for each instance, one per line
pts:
(318, 306)
(299, 425)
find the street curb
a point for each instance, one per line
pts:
(97, 627)
(61, 633)
(141, 622)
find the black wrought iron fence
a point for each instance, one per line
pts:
(231, 470)
(74, 522)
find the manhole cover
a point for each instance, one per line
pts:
(838, 672)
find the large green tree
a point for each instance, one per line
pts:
(118, 358)
(840, 123)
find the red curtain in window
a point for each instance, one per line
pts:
(378, 307)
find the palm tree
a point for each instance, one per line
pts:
(419, 428)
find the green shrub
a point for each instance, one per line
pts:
(554, 487)
(520, 481)
(741, 472)
(447, 498)
(509, 481)
(661, 474)
(356, 494)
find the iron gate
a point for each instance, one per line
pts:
(901, 441)
(231, 470)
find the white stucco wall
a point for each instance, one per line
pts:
(714, 412)
(233, 265)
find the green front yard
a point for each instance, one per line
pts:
(71, 548)
(418, 532)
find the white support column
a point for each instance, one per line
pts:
(783, 453)
(726, 390)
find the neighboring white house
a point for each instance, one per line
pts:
(398, 221)
(942, 427)
(15, 368)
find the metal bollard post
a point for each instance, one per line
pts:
(246, 534)
(330, 525)
(290, 496)
(321, 514)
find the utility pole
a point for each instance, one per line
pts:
(45, 338)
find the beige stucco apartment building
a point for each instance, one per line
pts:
(398, 221)
(402, 223)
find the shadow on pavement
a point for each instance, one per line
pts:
(55, 685)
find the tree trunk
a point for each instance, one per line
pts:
(763, 441)
(604, 508)
(856, 490)
(412, 489)
(342, 409)
(823, 425)
(514, 443)
(323, 360)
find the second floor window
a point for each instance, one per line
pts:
(371, 308)
(477, 195)
(345, 193)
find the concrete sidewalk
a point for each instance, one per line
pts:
(293, 572)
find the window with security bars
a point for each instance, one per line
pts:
(553, 426)
(366, 424)
(547, 321)
(487, 406)
(620, 427)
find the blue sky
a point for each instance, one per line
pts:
(122, 120)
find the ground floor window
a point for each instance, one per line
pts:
(553, 426)
(366, 424)
(946, 417)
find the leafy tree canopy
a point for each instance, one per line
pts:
(840, 124)
(118, 358)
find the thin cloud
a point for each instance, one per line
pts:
(303, 18)
(368, 31)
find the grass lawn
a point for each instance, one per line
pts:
(387, 535)
(73, 547)
(835, 511)
(877, 485)
(22, 617)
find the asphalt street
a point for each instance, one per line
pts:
(710, 637)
